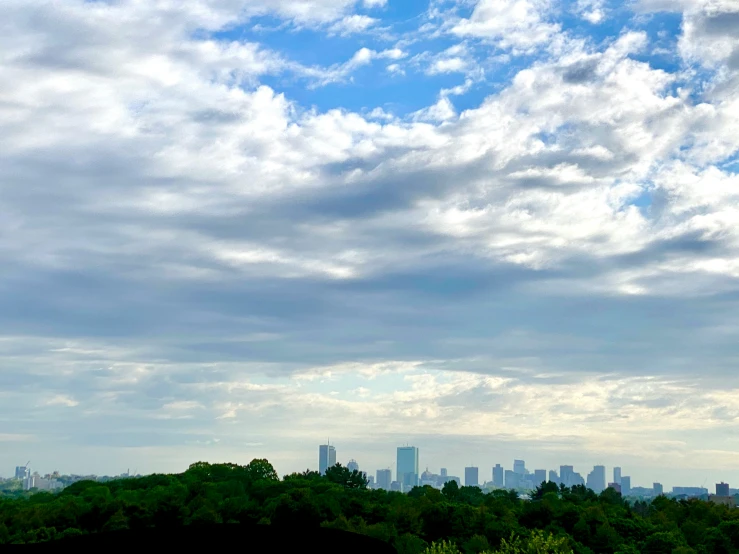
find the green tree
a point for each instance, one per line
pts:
(348, 479)
(442, 547)
(537, 543)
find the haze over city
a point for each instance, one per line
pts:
(494, 230)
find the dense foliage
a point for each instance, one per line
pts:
(454, 520)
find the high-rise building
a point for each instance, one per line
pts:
(625, 485)
(498, 476)
(597, 479)
(565, 475)
(658, 489)
(407, 471)
(540, 476)
(444, 472)
(384, 479)
(617, 475)
(21, 472)
(326, 457)
(553, 477)
(722, 489)
(519, 466)
(352, 465)
(512, 479)
(615, 486)
(471, 477)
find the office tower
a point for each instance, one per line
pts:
(566, 474)
(498, 476)
(407, 471)
(553, 477)
(597, 479)
(512, 479)
(326, 458)
(370, 481)
(21, 472)
(540, 476)
(471, 477)
(722, 489)
(444, 472)
(519, 466)
(658, 489)
(615, 486)
(384, 479)
(625, 485)
(352, 465)
(617, 475)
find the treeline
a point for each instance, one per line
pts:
(426, 520)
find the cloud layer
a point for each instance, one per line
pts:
(503, 229)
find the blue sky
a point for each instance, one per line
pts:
(494, 229)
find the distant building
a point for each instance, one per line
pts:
(689, 492)
(326, 457)
(444, 472)
(722, 489)
(512, 479)
(617, 475)
(407, 467)
(21, 472)
(597, 479)
(553, 477)
(370, 481)
(471, 477)
(725, 500)
(625, 485)
(519, 466)
(37, 482)
(396, 486)
(540, 476)
(658, 489)
(352, 465)
(384, 479)
(498, 476)
(615, 486)
(569, 477)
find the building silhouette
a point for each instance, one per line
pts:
(553, 477)
(519, 466)
(326, 457)
(384, 479)
(498, 476)
(722, 489)
(625, 485)
(658, 489)
(407, 467)
(352, 465)
(617, 475)
(597, 479)
(444, 472)
(540, 476)
(471, 477)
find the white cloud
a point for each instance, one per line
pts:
(352, 24)
(520, 25)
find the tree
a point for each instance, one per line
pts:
(260, 469)
(450, 489)
(348, 479)
(442, 547)
(537, 543)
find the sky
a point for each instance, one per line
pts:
(492, 229)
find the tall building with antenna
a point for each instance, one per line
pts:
(326, 457)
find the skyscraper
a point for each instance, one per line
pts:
(512, 479)
(352, 465)
(553, 477)
(384, 479)
(625, 485)
(597, 479)
(21, 472)
(658, 489)
(407, 466)
(498, 476)
(444, 472)
(722, 489)
(326, 458)
(617, 475)
(519, 466)
(471, 477)
(540, 476)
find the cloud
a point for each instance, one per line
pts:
(352, 24)
(520, 25)
(199, 230)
